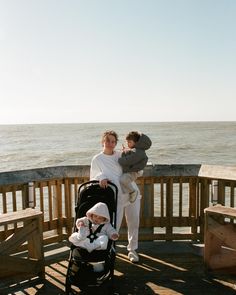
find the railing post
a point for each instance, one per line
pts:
(214, 192)
(31, 195)
(169, 209)
(204, 193)
(193, 205)
(221, 192)
(147, 206)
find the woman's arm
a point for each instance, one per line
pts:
(97, 174)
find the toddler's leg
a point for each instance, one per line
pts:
(126, 182)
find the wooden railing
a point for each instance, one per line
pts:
(172, 206)
(30, 231)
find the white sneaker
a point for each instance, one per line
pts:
(133, 196)
(133, 256)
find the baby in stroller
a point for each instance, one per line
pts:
(94, 229)
(92, 254)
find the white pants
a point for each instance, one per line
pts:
(132, 214)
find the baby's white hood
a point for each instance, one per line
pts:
(100, 209)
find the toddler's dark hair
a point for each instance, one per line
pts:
(133, 135)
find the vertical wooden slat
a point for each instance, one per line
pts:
(4, 206)
(76, 182)
(162, 202)
(54, 202)
(59, 208)
(147, 209)
(204, 196)
(180, 197)
(50, 203)
(14, 206)
(198, 209)
(197, 198)
(68, 206)
(41, 198)
(24, 196)
(192, 207)
(221, 192)
(232, 201)
(169, 208)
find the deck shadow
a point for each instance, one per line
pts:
(164, 268)
(161, 271)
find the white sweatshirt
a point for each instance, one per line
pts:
(107, 167)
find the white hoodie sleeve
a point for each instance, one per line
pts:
(96, 171)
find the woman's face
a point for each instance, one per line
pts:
(109, 143)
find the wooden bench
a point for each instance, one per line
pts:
(220, 239)
(27, 227)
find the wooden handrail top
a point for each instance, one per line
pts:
(223, 210)
(13, 217)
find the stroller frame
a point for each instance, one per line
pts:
(81, 272)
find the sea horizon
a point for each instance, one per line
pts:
(28, 146)
(120, 122)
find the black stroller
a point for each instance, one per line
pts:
(93, 271)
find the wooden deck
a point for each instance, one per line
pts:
(164, 268)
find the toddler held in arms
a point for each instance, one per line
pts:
(94, 229)
(133, 160)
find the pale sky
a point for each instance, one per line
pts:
(72, 61)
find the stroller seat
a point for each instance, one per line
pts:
(94, 269)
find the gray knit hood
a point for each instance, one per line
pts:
(144, 142)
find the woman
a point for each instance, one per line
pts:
(105, 167)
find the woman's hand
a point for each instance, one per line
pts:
(103, 183)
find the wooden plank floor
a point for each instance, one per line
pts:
(165, 268)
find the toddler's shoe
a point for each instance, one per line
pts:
(133, 196)
(126, 201)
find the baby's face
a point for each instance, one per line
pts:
(97, 219)
(130, 143)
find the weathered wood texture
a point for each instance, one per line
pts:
(165, 268)
(26, 227)
(172, 204)
(220, 238)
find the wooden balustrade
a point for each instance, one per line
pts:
(172, 206)
(220, 239)
(26, 227)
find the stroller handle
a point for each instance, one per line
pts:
(97, 182)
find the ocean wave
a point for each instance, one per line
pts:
(37, 146)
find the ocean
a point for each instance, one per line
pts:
(45, 145)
